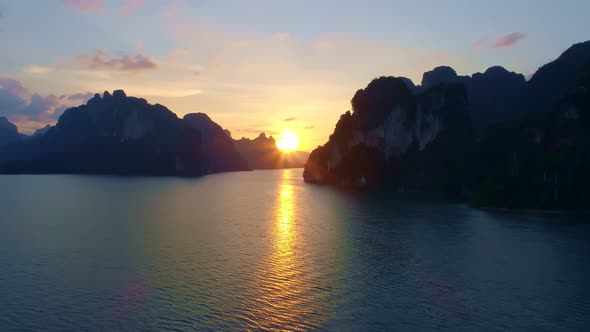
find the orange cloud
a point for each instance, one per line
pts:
(282, 36)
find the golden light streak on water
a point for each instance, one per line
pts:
(284, 284)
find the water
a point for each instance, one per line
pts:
(263, 250)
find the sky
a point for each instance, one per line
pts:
(261, 65)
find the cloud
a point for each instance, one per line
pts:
(282, 36)
(85, 5)
(40, 105)
(241, 43)
(509, 40)
(123, 63)
(11, 95)
(171, 10)
(308, 127)
(12, 85)
(258, 131)
(83, 97)
(37, 69)
(162, 91)
(289, 119)
(131, 6)
(15, 103)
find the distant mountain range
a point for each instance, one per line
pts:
(492, 138)
(117, 134)
(262, 153)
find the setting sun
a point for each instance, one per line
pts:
(288, 141)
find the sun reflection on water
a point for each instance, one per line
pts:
(283, 283)
(285, 219)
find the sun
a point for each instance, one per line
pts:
(288, 141)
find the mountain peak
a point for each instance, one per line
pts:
(7, 126)
(119, 94)
(559, 76)
(438, 75)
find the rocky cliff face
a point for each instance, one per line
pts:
(391, 128)
(116, 134)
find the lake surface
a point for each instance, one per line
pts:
(264, 250)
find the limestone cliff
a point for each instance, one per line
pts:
(391, 128)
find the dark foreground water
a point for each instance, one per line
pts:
(263, 250)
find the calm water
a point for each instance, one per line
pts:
(263, 250)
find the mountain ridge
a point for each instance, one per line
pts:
(117, 134)
(485, 138)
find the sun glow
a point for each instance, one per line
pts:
(288, 141)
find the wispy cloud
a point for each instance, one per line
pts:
(481, 43)
(258, 131)
(289, 119)
(124, 63)
(308, 127)
(282, 35)
(131, 6)
(82, 97)
(37, 69)
(509, 40)
(85, 5)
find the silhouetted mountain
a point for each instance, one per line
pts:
(117, 134)
(393, 136)
(556, 78)
(42, 131)
(541, 161)
(526, 157)
(221, 153)
(262, 153)
(439, 75)
(494, 96)
(8, 131)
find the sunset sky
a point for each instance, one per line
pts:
(256, 66)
